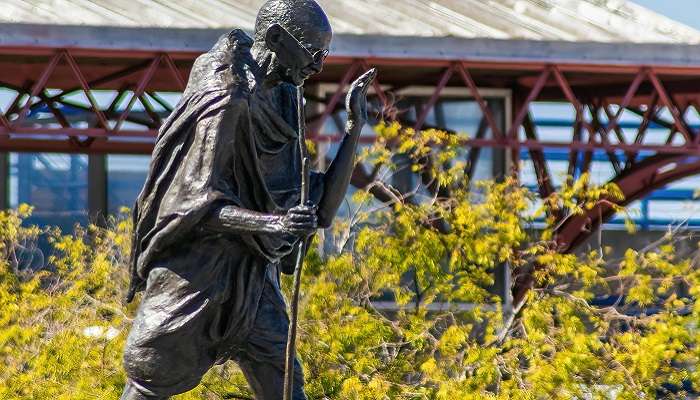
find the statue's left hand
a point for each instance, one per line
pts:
(356, 102)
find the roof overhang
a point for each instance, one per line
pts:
(360, 46)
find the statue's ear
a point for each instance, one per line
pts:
(286, 47)
(274, 37)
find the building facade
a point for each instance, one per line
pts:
(551, 89)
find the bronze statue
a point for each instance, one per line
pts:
(219, 215)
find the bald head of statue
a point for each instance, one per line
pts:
(292, 38)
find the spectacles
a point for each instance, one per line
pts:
(319, 56)
(302, 52)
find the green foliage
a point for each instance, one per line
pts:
(446, 336)
(62, 332)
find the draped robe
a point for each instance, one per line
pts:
(226, 143)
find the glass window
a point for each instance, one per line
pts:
(673, 212)
(55, 184)
(126, 175)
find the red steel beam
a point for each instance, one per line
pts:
(4, 123)
(181, 83)
(525, 107)
(469, 81)
(537, 144)
(86, 89)
(39, 85)
(634, 87)
(444, 79)
(140, 89)
(87, 132)
(67, 146)
(672, 107)
(649, 175)
(376, 85)
(544, 178)
(335, 99)
(598, 126)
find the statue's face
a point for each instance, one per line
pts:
(298, 60)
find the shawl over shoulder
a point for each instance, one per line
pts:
(206, 156)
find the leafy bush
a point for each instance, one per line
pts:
(431, 257)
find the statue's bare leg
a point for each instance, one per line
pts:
(262, 362)
(267, 380)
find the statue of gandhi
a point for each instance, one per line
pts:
(218, 218)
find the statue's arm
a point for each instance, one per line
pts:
(337, 178)
(231, 219)
(225, 126)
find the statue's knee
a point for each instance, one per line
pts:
(160, 372)
(141, 363)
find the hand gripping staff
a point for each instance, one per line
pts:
(294, 307)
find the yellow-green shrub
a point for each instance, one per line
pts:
(62, 329)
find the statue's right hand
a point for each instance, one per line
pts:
(356, 101)
(300, 221)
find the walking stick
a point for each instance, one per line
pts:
(292, 334)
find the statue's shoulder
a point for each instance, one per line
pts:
(225, 67)
(233, 45)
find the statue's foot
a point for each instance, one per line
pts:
(131, 392)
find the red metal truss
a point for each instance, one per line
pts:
(649, 175)
(600, 95)
(38, 118)
(335, 99)
(169, 70)
(483, 106)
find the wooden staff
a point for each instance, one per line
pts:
(294, 309)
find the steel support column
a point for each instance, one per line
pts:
(4, 180)
(97, 188)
